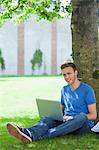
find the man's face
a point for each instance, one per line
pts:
(69, 75)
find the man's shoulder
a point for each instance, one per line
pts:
(86, 85)
(66, 87)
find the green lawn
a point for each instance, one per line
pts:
(17, 94)
(17, 104)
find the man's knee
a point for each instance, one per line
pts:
(82, 117)
(43, 119)
(46, 120)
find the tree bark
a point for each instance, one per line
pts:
(85, 33)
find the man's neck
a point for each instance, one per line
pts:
(75, 85)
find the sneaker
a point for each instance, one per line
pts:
(22, 134)
(95, 128)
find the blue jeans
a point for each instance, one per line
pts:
(49, 128)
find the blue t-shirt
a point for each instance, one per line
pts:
(77, 101)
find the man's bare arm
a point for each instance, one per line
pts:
(92, 115)
(62, 108)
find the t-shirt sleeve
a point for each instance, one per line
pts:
(90, 97)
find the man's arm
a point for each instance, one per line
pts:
(65, 117)
(92, 115)
(62, 108)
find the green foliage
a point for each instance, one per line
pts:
(37, 59)
(20, 10)
(2, 63)
(96, 74)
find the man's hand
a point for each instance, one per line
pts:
(65, 118)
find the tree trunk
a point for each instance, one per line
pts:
(85, 30)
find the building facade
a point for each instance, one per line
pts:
(19, 42)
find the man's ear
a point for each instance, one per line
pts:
(76, 72)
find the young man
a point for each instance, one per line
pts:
(78, 104)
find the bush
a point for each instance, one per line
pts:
(2, 62)
(37, 59)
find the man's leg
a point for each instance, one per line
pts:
(42, 126)
(49, 128)
(27, 135)
(84, 129)
(79, 122)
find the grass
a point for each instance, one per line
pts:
(17, 104)
(18, 94)
(68, 142)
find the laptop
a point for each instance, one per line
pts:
(49, 108)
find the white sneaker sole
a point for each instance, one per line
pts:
(14, 131)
